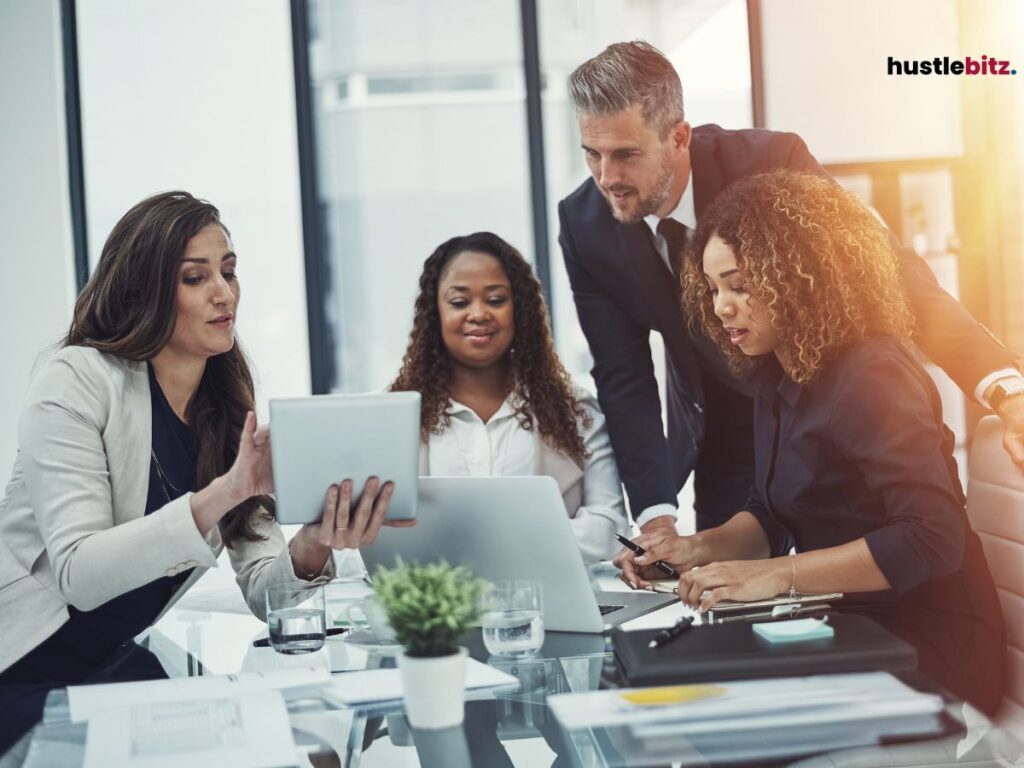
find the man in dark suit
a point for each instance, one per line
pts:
(622, 233)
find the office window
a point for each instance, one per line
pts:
(198, 95)
(420, 135)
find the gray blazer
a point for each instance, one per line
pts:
(72, 524)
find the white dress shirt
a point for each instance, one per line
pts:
(501, 447)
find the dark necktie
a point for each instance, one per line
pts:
(676, 236)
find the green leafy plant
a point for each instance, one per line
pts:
(429, 606)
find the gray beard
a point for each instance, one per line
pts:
(652, 203)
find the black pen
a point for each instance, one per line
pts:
(263, 642)
(667, 635)
(661, 565)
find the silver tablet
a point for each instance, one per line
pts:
(324, 439)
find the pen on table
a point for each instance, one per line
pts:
(263, 642)
(811, 611)
(661, 565)
(667, 635)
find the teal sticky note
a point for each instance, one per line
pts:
(793, 630)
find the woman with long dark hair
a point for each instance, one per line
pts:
(495, 397)
(797, 282)
(140, 460)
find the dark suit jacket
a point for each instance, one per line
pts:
(623, 291)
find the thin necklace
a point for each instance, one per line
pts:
(164, 482)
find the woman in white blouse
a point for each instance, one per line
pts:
(496, 399)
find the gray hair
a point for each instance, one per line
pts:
(624, 75)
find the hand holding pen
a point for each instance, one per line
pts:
(661, 565)
(661, 542)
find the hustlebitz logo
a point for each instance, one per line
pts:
(986, 65)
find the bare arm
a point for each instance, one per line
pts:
(741, 537)
(846, 568)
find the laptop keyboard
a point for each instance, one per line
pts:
(606, 609)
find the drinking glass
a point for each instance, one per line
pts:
(295, 618)
(512, 618)
(374, 617)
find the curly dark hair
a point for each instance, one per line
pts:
(817, 260)
(543, 386)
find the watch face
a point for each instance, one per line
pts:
(1011, 386)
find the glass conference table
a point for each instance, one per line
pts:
(509, 729)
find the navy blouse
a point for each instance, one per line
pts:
(862, 452)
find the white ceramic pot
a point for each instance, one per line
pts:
(434, 688)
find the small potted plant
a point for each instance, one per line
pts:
(430, 607)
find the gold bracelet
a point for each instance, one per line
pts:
(792, 584)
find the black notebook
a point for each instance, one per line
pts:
(733, 652)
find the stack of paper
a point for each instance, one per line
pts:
(249, 732)
(744, 720)
(222, 721)
(384, 686)
(85, 700)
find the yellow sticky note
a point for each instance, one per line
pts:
(674, 694)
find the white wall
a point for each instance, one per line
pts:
(199, 95)
(825, 77)
(37, 288)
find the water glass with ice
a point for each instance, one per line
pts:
(295, 618)
(512, 617)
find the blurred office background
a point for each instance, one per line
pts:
(344, 140)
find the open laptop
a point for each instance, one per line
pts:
(510, 528)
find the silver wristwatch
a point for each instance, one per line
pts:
(1011, 386)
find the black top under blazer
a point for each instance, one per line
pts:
(861, 452)
(623, 291)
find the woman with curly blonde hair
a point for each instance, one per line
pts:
(495, 397)
(796, 280)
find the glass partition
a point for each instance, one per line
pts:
(420, 123)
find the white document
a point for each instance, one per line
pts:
(802, 719)
(749, 704)
(85, 701)
(385, 685)
(235, 732)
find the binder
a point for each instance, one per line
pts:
(732, 651)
